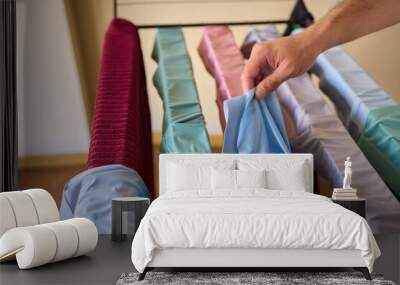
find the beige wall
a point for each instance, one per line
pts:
(51, 115)
(377, 53)
(88, 21)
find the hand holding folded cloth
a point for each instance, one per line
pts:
(254, 126)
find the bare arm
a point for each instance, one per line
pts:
(272, 63)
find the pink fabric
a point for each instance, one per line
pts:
(121, 129)
(223, 60)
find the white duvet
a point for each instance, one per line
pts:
(253, 218)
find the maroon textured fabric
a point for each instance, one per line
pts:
(121, 129)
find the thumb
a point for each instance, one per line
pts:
(271, 82)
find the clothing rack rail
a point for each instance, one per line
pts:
(202, 24)
(300, 16)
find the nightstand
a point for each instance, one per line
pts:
(127, 212)
(355, 205)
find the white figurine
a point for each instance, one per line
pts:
(347, 174)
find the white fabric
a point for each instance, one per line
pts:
(223, 179)
(67, 237)
(7, 218)
(229, 161)
(283, 174)
(187, 173)
(26, 208)
(251, 178)
(183, 177)
(45, 205)
(255, 257)
(40, 244)
(31, 232)
(32, 246)
(23, 208)
(252, 218)
(87, 235)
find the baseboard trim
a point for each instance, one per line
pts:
(216, 141)
(77, 159)
(52, 160)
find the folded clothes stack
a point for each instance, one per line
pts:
(354, 93)
(380, 142)
(184, 129)
(321, 133)
(370, 115)
(344, 194)
(121, 128)
(222, 58)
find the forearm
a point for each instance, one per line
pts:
(273, 62)
(350, 20)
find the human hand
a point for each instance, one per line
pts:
(273, 62)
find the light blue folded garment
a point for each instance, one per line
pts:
(89, 194)
(254, 126)
(354, 93)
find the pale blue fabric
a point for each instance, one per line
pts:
(89, 194)
(352, 90)
(354, 93)
(254, 126)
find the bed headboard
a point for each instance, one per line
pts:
(206, 159)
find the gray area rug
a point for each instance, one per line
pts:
(269, 278)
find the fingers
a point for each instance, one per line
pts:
(253, 69)
(267, 67)
(249, 75)
(271, 82)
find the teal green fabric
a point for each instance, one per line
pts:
(184, 128)
(380, 142)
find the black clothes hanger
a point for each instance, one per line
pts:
(300, 16)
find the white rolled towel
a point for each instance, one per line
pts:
(40, 244)
(26, 208)
(45, 206)
(7, 218)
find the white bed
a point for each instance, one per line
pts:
(200, 223)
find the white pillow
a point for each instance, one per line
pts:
(193, 174)
(282, 174)
(236, 179)
(181, 177)
(292, 179)
(223, 179)
(251, 178)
